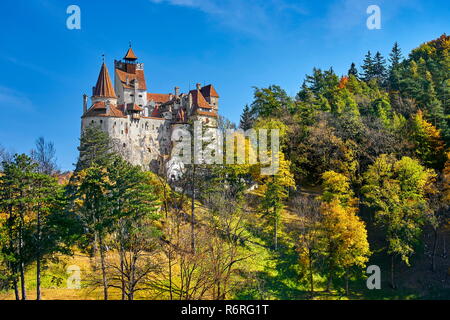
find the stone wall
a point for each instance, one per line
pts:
(140, 141)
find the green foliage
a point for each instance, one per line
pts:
(429, 146)
(397, 191)
(247, 119)
(271, 101)
(95, 148)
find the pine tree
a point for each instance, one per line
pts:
(353, 71)
(246, 119)
(368, 67)
(379, 68)
(95, 148)
(395, 57)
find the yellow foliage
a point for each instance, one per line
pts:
(446, 178)
(346, 235)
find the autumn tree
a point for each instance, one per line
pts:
(275, 189)
(429, 147)
(345, 236)
(396, 190)
(310, 233)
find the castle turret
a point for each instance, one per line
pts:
(104, 89)
(130, 56)
(130, 80)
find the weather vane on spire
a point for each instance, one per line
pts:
(103, 58)
(129, 43)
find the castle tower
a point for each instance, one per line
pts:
(129, 80)
(103, 90)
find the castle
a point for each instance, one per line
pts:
(141, 123)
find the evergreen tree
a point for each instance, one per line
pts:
(95, 148)
(271, 101)
(379, 68)
(368, 67)
(395, 57)
(353, 70)
(246, 119)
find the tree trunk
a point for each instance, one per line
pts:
(433, 256)
(38, 258)
(21, 264)
(392, 273)
(103, 266)
(22, 281)
(311, 273)
(16, 289)
(346, 283)
(276, 233)
(193, 211)
(170, 273)
(122, 279)
(330, 280)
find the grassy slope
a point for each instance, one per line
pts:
(274, 275)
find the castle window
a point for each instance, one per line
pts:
(101, 121)
(124, 145)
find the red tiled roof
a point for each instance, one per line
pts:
(104, 87)
(206, 113)
(158, 97)
(209, 91)
(199, 100)
(130, 55)
(133, 107)
(98, 109)
(137, 74)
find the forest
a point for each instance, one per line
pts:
(363, 179)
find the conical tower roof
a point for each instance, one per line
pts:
(130, 55)
(104, 87)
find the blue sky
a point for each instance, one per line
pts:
(234, 44)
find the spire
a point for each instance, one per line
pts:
(104, 87)
(130, 54)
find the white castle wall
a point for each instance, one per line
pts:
(141, 141)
